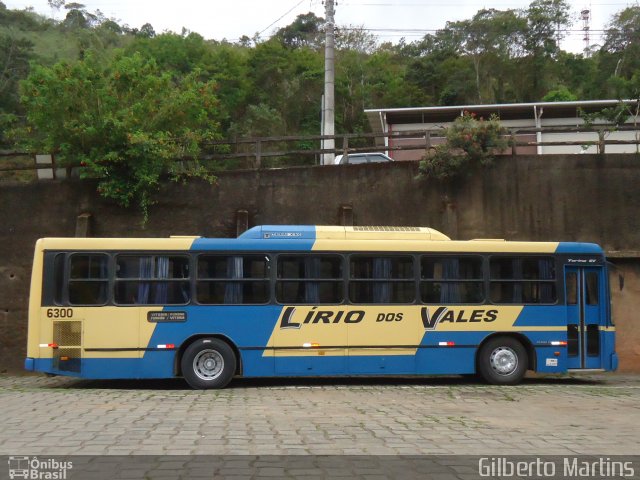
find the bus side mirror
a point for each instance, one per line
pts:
(621, 281)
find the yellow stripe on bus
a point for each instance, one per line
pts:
(117, 244)
(477, 246)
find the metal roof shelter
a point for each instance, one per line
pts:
(536, 115)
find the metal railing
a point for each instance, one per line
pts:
(256, 152)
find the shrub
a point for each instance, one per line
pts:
(470, 142)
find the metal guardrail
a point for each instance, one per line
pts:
(253, 149)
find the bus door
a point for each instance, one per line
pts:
(586, 311)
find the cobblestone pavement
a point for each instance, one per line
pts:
(596, 415)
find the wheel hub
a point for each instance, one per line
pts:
(208, 364)
(504, 361)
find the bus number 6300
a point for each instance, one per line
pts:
(59, 312)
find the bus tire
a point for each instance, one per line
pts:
(502, 361)
(208, 363)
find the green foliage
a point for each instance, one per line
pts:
(289, 81)
(171, 51)
(126, 122)
(305, 31)
(496, 56)
(612, 116)
(622, 39)
(274, 87)
(560, 94)
(15, 54)
(471, 142)
(7, 124)
(355, 39)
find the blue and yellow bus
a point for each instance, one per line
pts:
(317, 301)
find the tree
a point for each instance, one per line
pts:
(545, 21)
(126, 122)
(622, 41)
(77, 16)
(560, 94)
(227, 65)
(305, 31)
(356, 39)
(288, 80)
(146, 31)
(258, 121)
(178, 53)
(493, 39)
(15, 54)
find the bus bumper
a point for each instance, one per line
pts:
(29, 364)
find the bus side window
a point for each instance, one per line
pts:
(388, 279)
(152, 280)
(88, 279)
(310, 279)
(572, 288)
(58, 278)
(448, 279)
(592, 288)
(233, 280)
(523, 280)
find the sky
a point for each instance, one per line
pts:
(389, 20)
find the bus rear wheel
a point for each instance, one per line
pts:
(502, 361)
(208, 363)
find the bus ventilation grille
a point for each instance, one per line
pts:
(386, 229)
(68, 335)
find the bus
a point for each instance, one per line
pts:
(317, 301)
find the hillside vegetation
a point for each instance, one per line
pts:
(119, 98)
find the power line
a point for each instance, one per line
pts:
(281, 17)
(434, 30)
(452, 4)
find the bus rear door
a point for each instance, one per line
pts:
(587, 315)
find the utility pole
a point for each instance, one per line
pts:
(328, 119)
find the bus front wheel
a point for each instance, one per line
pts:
(502, 361)
(208, 363)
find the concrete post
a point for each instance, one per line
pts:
(83, 225)
(242, 222)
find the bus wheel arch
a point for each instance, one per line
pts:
(504, 358)
(212, 339)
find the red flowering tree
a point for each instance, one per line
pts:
(470, 141)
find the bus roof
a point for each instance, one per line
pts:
(322, 238)
(324, 232)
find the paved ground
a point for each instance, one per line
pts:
(596, 415)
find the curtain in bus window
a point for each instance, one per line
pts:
(235, 271)
(312, 270)
(382, 290)
(145, 272)
(450, 291)
(161, 288)
(516, 265)
(545, 270)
